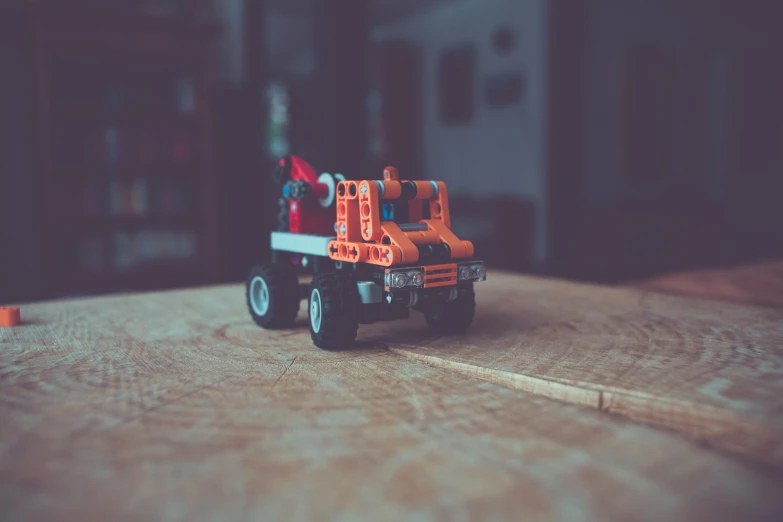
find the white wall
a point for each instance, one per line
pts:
(503, 151)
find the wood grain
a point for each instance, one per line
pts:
(174, 406)
(710, 371)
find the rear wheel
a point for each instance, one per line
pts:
(273, 296)
(454, 316)
(333, 309)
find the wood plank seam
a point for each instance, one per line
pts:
(719, 428)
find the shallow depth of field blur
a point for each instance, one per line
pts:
(595, 140)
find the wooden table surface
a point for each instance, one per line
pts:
(563, 402)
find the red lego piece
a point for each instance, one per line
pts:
(9, 316)
(309, 216)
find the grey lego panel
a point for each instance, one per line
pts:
(301, 243)
(369, 292)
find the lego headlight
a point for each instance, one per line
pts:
(403, 278)
(475, 271)
(399, 280)
(416, 278)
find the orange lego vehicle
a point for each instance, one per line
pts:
(375, 249)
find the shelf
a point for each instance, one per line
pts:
(125, 128)
(89, 224)
(151, 171)
(153, 275)
(74, 30)
(164, 267)
(98, 112)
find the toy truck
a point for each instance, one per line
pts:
(375, 250)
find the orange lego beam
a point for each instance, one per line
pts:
(369, 211)
(398, 238)
(439, 208)
(348, 224)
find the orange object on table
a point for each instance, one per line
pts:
(9, 316)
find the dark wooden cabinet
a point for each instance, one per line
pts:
(626, 241)
(127, 196)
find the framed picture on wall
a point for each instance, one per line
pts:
(456, 85)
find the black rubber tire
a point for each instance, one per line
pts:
(456, 316)
(284, 296)
(339, 309)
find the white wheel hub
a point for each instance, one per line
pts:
(315, 310)
(259, 296)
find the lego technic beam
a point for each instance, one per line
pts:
(363, 237)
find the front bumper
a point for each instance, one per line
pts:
(433, 276)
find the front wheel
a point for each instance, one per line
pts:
(273, 296)
(455, 316)
(333, 308)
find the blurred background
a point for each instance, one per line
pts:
(595, 140)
